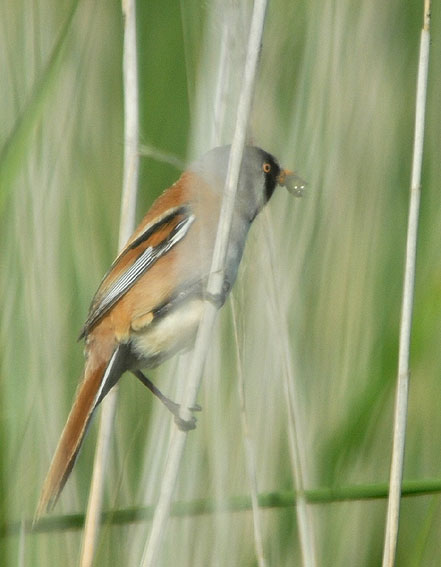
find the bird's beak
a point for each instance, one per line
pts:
(292, 182)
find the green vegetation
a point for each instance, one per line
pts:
(335, 101)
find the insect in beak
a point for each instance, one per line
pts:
(295, 184)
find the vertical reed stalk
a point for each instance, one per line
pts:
(399, 435)
(153, 546)
(295, 433)
(127, 222)
(249, 448)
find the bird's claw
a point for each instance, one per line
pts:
(185, 424)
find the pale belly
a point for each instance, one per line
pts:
(167, 335)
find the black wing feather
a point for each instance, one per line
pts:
(144, 261)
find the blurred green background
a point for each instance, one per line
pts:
(335, 100)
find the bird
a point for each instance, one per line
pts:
(149, 304)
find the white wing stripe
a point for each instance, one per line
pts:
(141, 264)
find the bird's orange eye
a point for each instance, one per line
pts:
(266, 167)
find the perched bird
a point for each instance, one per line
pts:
(149, 304)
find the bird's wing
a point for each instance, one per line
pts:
(150, 243)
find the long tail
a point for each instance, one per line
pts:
(99, 377)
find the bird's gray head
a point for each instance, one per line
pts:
(259, 176)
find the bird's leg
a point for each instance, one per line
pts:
(218, 299)
(173, 407)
